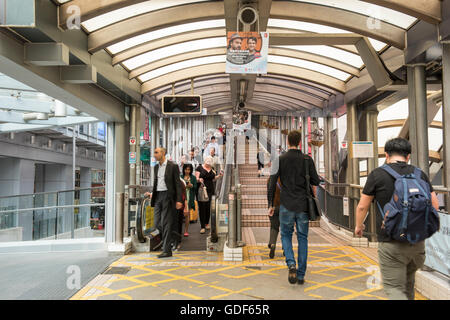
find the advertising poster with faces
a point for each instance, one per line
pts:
(247, 52)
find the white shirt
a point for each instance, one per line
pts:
(161, 172)
(208, 148)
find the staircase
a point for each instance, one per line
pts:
(254, 189)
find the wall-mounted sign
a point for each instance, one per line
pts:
(345, 206)
(361, 149)
(247, 52)
(132, 157)
(132, 141)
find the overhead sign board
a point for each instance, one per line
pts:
(182, 104)
(361, 149)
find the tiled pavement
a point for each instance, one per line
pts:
(335, 271)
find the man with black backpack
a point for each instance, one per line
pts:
(406, 215)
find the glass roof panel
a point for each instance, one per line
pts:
(181, 65)
(316, 28)
(435, 138)
(438, 116)
(385, 134)
(165, 32)
(309, 65)
(396, 111)
(396, 18)
(114, 16)
(168, 51)
(331, 52)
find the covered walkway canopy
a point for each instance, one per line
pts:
(326, 58)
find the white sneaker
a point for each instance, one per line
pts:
(202, 231)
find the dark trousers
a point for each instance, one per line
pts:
(205, 211)
(274, 226)
(178, 227)
(165, 214)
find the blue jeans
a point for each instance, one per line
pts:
(287, 220)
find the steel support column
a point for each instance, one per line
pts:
(328, 126)
(418, 122)
(132, 169)
(116, 174)
(446, 116)
(352, 163)
(420, 89)
(372, 163)
(305, 135)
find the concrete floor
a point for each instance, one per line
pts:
(335, 271)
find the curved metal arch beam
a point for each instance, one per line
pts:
(427, 10)
(273, 105)
(205, 88)
(91, 8)
(337, 18)
(198, 82)
(272, 68)
(280, 91)
(288, 106)
(336, 64)
(348, 48)
(168, 41)
(205, 91)
(272, 51)
(174, 59)
(151, 21)
(291, 85)
(284, 99)
(304, 82)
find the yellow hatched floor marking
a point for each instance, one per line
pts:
(184, 294)
(336, 281)
(125, 296)
(81, 293)
(229, 293)
(250, 253)
(363, 293)
(253, 273)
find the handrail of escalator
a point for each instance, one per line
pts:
(142, 229)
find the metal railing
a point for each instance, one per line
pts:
(52, 215)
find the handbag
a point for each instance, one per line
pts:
(313, 204)
(203, 194)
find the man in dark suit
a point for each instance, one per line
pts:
(166, 198)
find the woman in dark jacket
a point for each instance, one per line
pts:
(191, 187)
(206, 176)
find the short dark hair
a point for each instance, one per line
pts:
(188, 165)
(398, 146)
(294, 138)
(213, 138)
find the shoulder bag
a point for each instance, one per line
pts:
(313, 205)
(203, 194)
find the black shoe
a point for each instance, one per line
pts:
(292, 277)
(272, 251)
(300, 281)
(165, 255)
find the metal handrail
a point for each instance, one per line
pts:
(55, 207)
(49, 192)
